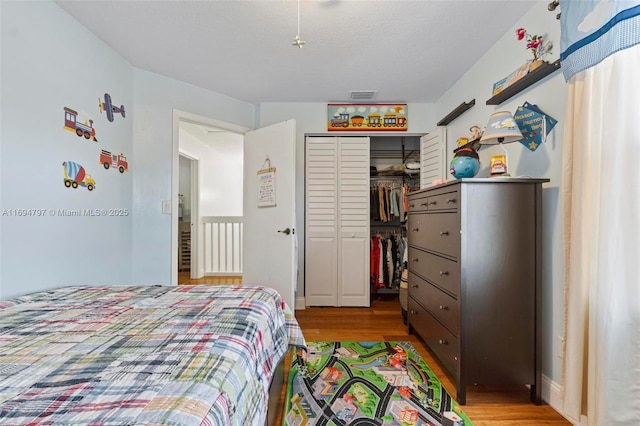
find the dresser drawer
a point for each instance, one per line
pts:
(446, 201)
(435, 335)
(444, 273)
(441, 305)
(439, 232)
(418, 203)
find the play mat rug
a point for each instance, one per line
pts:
(366, 383)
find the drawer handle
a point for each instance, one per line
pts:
(414, 229)
(424, 204)
(414, 286)
(415, 260)
(443, 233)
(414, 312)
(431, 203)
(444, 273)
(443, 308)
(442, 342)
(412, 205)
(451, 200)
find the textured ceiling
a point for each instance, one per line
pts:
(407, 51)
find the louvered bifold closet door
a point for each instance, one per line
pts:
(353, 219)
(433, 157)
(321, 219)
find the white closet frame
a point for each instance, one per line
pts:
(337, 207)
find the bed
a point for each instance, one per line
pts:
(142, 355)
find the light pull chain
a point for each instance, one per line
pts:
(297, 41)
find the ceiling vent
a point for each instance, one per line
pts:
(361, 95)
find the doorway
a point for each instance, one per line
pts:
(207, 162)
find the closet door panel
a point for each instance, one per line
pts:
(321, 271)
(433, 156)
(353, 219)
(354, 272)
(321, 210)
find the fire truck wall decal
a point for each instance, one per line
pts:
(367, 117)
(75, 175)
(72, 124)
(108, 107)
(119, 162)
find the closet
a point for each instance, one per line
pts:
(341, 175)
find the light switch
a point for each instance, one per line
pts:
(166, 206)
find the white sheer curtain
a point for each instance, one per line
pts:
(601, 201)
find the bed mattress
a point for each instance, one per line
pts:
(142, 355)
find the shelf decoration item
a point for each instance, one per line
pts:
(534, 124)
(367, 117)
(532, 77)
(466, 161)
(540, 46)
(501, 129)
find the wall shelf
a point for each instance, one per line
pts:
(460, 109)
(534, 76)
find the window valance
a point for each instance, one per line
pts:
(595, 29)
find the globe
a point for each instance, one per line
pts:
(464, 167)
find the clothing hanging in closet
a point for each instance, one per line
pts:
(388, 202)
(388, 260)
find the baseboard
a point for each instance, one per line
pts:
(552, 394)
(300, 304)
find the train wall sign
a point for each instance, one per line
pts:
(367, 117)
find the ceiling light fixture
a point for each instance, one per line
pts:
(297, 41)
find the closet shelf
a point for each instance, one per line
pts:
(393, 154)
(533, 77)
(460, 109)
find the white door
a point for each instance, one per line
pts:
(433, 156)
(269, 237)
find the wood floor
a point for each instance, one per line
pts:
(383, 322)
(185, 279)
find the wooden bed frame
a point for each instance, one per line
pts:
(275, 391)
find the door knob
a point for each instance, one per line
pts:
(288, 231)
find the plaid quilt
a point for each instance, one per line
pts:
(142, 355)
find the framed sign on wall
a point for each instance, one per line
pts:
(367, 117)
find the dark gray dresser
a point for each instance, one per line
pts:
(475, 279)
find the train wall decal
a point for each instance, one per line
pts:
(367, 117)
(81, 129)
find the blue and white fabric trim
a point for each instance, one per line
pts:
(594, 29)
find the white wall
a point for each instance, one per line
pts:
(546, 162)
(49, 62)
(155, 100)
(221, 157)
(42, 72)
(312, 118)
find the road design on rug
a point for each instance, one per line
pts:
(366, 383)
